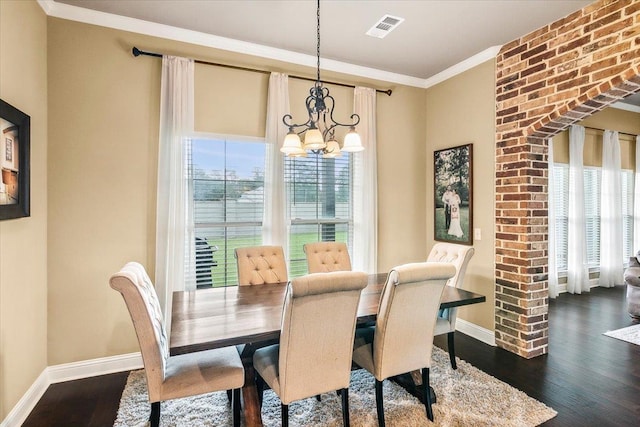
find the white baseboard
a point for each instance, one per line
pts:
(25, 405)
(475, 331)
(67, 372)
(94, 367)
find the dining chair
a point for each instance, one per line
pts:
(316, 340)
(459, 256)
(402, 339)
(173, 377)
(258, 265)
(323, 257)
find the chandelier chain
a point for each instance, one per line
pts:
(318, 36)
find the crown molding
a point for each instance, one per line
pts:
(88, 16)
(626, 107)
(462, 66)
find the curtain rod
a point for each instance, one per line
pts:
(137, 52)
(602, 130)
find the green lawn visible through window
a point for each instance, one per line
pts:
(222, 257)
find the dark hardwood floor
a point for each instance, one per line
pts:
(589, 378)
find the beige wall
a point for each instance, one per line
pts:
(104, 107)
(461, 110)
(610, 119)
(23, 242)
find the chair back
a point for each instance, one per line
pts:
(258, 265)
(458, 255)
(406, 319)
(318, 328)
(139, 294)
(323, 257)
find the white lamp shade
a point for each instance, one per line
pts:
(332, 150)
(313, 140)
(352, 142)
(291, 144)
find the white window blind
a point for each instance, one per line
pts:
(627, 218)
(592, 182)
(319, 195)
(228, 187)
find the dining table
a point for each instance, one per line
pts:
(249, 317)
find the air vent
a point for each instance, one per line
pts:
(384, 26)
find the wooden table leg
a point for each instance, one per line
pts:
(250, 403)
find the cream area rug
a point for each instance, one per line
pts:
(465, 397)
(630, 334)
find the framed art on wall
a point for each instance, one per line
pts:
(453, 204)
(14, 162)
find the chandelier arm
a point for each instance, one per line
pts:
(292, 125)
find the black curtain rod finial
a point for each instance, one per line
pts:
(136, 51)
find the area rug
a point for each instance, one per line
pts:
(629, 334)
(465, 397)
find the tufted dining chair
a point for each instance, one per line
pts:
(258, 265)
(402, 339)
(323, 257)
(316, 340)
(459, 256)
(173, 377)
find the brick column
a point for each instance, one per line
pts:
(545, 81)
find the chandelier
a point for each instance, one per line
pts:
(319, 129)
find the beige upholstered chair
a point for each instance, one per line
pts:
(176, 376)
(402, 339)
(316, 340)
(323, 257)
(459, 256)
(258, 265)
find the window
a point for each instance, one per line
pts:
(592, 183)
(228, 192)
(319, 197)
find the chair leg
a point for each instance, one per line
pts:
(345, 406)
(426, 392)
(235, 403)
(259, 388)
(230, 396)
(154, 418)
(452, 350)
(379, 404)
(284, 409)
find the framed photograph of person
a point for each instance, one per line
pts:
(14, 162)
(453, 207)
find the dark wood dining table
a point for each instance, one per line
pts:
(251, 315)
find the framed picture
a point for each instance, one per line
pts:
(453, 212)
(14, 162)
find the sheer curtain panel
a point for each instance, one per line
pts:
(274, 220)
(365, 185)
(578, 273)
(553, 270)
(175, 244)
(611, 237)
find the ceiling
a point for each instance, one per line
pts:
(435, 35)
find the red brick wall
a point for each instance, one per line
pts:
(547, 80)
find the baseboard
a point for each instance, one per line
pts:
(94, 367)
(475, 331)
(67, 372)
(25, 405)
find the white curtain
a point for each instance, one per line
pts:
(175, 241)
(578, 273)
(636, 200)
(611, 236)
(365, 181)
(275, 220)
(553, 271)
